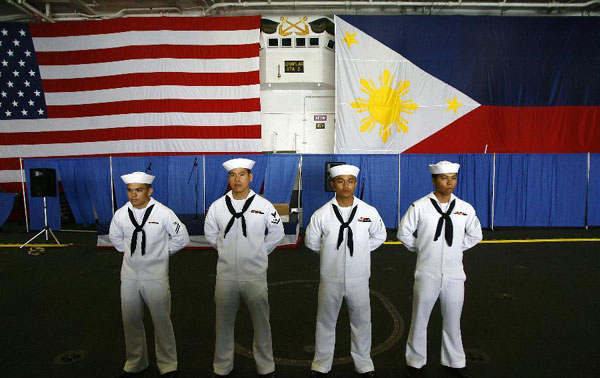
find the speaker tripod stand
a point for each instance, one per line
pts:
(46, 229)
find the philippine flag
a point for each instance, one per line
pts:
(460, 84)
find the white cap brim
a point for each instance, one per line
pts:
(238, 163)
(443, 167)
(344, 169)
(137, 178)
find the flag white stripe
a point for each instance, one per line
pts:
(154, 93)
(131, 120)
(147, 146)
(10, 176)
(78, 71)
(146, 38)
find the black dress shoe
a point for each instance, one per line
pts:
(171, 374)
(125, 374)
(413, 372)
(459, 372)
(369, 374)
(317, 374)
(268, 375)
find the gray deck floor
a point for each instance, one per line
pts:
(531, 310)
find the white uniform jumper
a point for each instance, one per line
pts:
(439, 272)
(242, 271)
(145, 279)
(345, 272)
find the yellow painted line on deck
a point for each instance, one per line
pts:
(34, 245)
(541, 240)
(507, 241)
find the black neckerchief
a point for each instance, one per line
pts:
(350, 241)
(448, 235)
(237, 215)
(139, 228)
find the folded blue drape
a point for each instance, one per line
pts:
(280, 177)
(6, 204)
(541, 190)
(593, 200)
(532, 190)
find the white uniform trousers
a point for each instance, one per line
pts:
(359, 311)
(155, 293)
(451, 291)
(227, 300)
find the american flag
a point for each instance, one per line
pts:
(126, 87)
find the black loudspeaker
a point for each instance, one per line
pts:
(43, 182)
(329, 164)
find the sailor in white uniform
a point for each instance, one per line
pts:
(147, 233)
(244, 228)
(439, 228)
(344, 231)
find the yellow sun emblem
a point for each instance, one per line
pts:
(385, 105)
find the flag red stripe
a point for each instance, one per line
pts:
(154, 106)
(9, 163)
(505, 129)
(13, 163)
(63, 29)
(131, 133)
(147, 52)
(151, 79)
(10, 187)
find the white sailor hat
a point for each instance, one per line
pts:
(344, 169)
(238, 163)
(443, 167)
(137, 178)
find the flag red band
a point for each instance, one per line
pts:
(147, 52)
(151, 79)
(154, 106)
(132, 133)
(145, 24)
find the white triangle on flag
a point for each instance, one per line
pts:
(396, 103)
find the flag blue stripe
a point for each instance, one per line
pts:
(503, 61)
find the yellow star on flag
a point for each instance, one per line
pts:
(453, 104)
(350, 39)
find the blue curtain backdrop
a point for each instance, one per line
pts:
(380, 188)
(280, 177)
(531, 189)
(185, 184)
(313, 181)
(36, 204)
(593, 200)
(152, 165)
(217, 179)
(475, 184)
(474, 180)
(258, 172)
(6, 204)
(72, 177)
(541, 190)
(96, 176)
